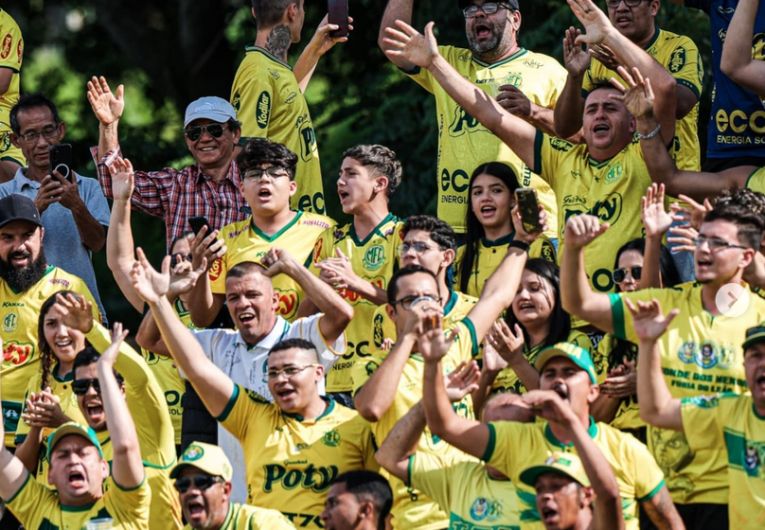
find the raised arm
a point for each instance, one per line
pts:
(321, 42)
(404, 42)
(127, 466)
(657, 406)
(656, 222)
(13, 475)
(212, 385)
(119, 238)
(396, 10)
(203, 304)
(108, 108)
(570, 105)
(576, 294)
(736, 61)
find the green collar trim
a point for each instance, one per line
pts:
(592, 430)
(66, 378)
(271, 239)
(268, 54)
(453, 296)
(520, 53)
(375, 230)
(504, 240)
(83, 508)
(656, 33)
(756, 414)
(327, 410)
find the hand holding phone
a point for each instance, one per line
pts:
(61, 160)
(338, 15)
(529, 209)
(197, 223)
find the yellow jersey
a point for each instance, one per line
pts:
(11, 57)
(464, 144)
(384, 330)
(373, 260)
(411, 509)
(269, 104)
(610, 190)
(513, 447)
(36, 506)
(731, 421)
(291, 461)
(756, 181)
(507, 380)
(19, 313)
(464, 490)
(490, 255)
(680, 56)
(628, 414)
(246, 517)
(700, 354)
(153, 425)
(246, 242)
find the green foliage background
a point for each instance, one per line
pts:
(169, 52)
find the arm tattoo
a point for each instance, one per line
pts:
(279, 41)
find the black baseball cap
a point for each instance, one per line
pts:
(512, 3)
(18, 208)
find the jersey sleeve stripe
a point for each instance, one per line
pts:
(491, 444)
(121, 488)
(617, 315)
(21, 488)
(651, 494)
(690, 86)
(538, 140)
(474, 346)
(409, 469)
(230, 405)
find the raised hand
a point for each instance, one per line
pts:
(277, 261)
(493, 362)
(547, 404)
(595, 21)
(150, 285)
(183, 278)
(648, 320)
(507, 343)
(109, 355)
(76, 311)
(107, 106)
(605, 55)
(639, 97)
(338, 271)
(621, 382)
(48, 193)
(520, 231)
(656, 219)
(514, 101)
(583, 229)
(206, 248)
(405, 42)
(462, 380)
(432, 342)
(123, 179)
(322, 40)
(683, 238)
(693, 213)
(575, 56)
(43, 409)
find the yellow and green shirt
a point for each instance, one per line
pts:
(610, 190)
(756, 181)
(464, 144)
(507, 380)
(490, 255)
(39, 507)
(246, 517)
(700, 354)
(11, 57)
(19, 313)
(513, 447)
(372, 259)
(269, 104)
(680, 56)
(467, 493)
(246, 242)
(731, 421)
(412, 509)
(292, 461)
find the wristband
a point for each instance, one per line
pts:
(521, 245)
(651, 134)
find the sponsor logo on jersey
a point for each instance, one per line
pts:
(462, 122)
(331, 438)
(20, 49)
(288, 303)
(17, 353)
(5, 51)
(263, 110)
(10, 322)
(677, 60)
(315, 478)
(216, 270)
(753, 458)
(614, 173)
(374, 257)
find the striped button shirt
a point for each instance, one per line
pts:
(177, 194)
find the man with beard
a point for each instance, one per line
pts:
(524, 82)
(26, 281)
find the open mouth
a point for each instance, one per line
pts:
(703, 263)
(20, 258)
(525, 306)
(63, 343)
(623, 20)
(482, 31)
(548, 514)
(94, 412)
(76, 478)
(246, 317)
(343, 195)
(488, 209)
(285, 393)
(265, 193)
(195, 508)
(601, 127)
(561, 390)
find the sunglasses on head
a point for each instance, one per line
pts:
(201, 482)
(80, 386)
(620, 274)
(195, 132)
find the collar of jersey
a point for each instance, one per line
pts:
(592, 430)
(453, 297)
(263, 235)
(48, 270)
(267, 54)
(519, 53)
(68, 377)
(83, 508)
(229, 516)
(276, 334)
(656, 33)
(504, 240)
(376, 230)
(327, 411)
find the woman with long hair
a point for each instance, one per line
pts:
(490, 227)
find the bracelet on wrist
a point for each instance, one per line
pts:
(651, 134)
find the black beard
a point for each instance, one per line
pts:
(22, 279)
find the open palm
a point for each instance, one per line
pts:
(107, 106)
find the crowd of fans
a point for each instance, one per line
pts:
(592, 361)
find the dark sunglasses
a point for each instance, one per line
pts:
(195, 133)
(620, 274)
(201, 482)
(80, 386)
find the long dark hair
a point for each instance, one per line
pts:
(46, 352)
(474, 229)
(560, 321)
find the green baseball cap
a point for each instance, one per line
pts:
(206, 457)
(754, 335)
(579, 356)
(566, 464)
(72, 427)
